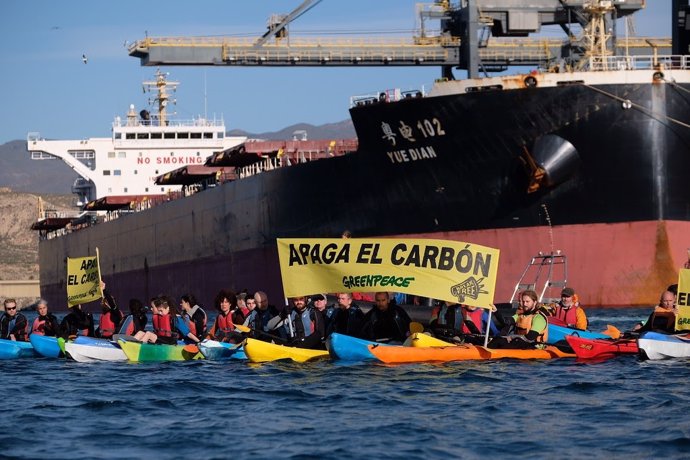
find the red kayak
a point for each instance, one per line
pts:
(601, 348)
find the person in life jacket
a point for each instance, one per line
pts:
(242, 304)
(259, 317)
(45, 323)
(386, 321)
(111, 316)
(194, 315)
(136, 320)
(304, 326)
(464, 323)
(529, 324)
(319, 302)
(569, 311)
(663, 318)
(13, 325)
(77, 323)
(348, 317)
(168, 325)
(229, 314)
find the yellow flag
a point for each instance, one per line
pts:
(83, 280)
(446, 270)
(683, 300)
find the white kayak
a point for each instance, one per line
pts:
(654, 345)
(94, 350)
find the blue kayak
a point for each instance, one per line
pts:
(558, 333)
(46, 346)
(11, 349)
(220, 351)
(347, 348)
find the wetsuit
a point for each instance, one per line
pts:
(391, 325)
(77, 322)
(347, 321)
(258, 321)
(16, 325)
(47, 325)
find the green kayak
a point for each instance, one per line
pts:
(146, 352)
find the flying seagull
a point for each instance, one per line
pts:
(84, 59)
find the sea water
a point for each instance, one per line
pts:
(619, 408)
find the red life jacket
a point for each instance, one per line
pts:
(38, 327)
(107, 326)
(163, 326)
(473, 315)
(224, 325)
(567, 315)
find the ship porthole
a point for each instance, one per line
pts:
(627, 104)
(530, 82)
(657, 76)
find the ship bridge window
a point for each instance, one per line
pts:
(156, 135)
(129, 135)
(196, 135)
(83, 154)
(122, 154)
(111, 154)
(126, 189)
(208, 135)
(183, 135)
(106, 172)
(117, 172)
(169, 135)
(118, 135)
(221, 134)
(142, 135)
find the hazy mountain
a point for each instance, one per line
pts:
(22, 174)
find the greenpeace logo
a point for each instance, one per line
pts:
(376, 280)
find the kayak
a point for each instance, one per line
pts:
(348, 348)
(12, 349)
(601, 348)
(559, 333)
(150, 352)
(88, 351)
(536, 353)
(654, 345)
(421, 340)
(46, 346)
(260, 352)
(398, 354)
(219, 351)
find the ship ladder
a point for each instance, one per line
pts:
(543, 274)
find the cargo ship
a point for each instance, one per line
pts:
(590, 161)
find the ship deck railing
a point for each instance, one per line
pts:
(169, 123)
(652, 62)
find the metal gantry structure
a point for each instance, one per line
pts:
(475, 35)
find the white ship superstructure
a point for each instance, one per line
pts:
(142, 146)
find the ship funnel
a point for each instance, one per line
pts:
(557, 157)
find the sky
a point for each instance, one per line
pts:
(45, 87)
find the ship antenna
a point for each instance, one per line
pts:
(548, 221)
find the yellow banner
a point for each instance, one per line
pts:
(683, 300)
(83, 280)
(446, 270)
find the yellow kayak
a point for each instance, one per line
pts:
(261, 352)
(421, 340)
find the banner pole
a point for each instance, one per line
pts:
(488, 328)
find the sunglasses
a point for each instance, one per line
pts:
(10, 308)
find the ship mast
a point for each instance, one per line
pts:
(160, 86)
(597, 36)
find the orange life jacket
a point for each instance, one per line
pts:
(107, 326)
(524, 324)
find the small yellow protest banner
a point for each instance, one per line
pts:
(683, 300)
(447, 270)
(83, 280)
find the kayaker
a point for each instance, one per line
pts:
(386, 321)
(111, 316)
(168, 325)
(77, 322)
(229, 314)
(327, 311)
(462, 323)
(663, 318)
(45, 323)
(242, 304)
(259, 317)
(569, 311)
(348, 317)
(529, 324)
(304, 326)
(194, 315)
(136, 320)
(13, 325)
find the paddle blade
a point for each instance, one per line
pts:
(612, 331)
(242, 328)
(191, 348)
(416, 327)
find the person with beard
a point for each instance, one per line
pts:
(304, 325)
(529, 325)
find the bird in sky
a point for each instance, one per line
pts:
(84, 58)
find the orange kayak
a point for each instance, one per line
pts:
(427, 354)
(546, 353)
